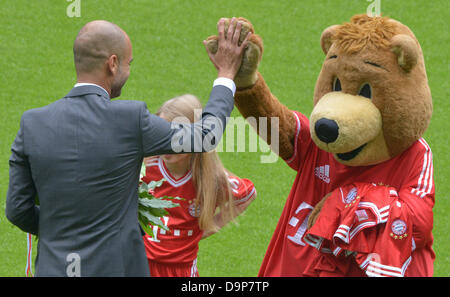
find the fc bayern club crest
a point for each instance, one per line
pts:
(351, 196)
(398, 228)
(194, 211)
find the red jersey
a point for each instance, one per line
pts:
(410, 174)
(180, 244)
(363, 225)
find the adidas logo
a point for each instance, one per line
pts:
(323, 172)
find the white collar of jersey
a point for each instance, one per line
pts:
(170, 179)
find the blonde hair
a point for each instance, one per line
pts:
(208, 174)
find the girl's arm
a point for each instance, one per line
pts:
(218, 220)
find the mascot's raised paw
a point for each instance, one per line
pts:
(247, 74)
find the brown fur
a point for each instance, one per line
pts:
(315, 212)
(363, 32)
(257, 102)
(400, 91)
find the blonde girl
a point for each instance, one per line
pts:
(212, 197)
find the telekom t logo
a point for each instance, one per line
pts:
(302, 212)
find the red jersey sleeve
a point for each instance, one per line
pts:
(418, 192)
(149, 162)
(146, 179)
(243, 189)
(302, 141)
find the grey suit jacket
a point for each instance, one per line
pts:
(81, 155)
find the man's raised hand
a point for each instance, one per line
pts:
(247, 74)
(230, 51)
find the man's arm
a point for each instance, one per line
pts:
(161, 137)
(21, 209)
(254, 100)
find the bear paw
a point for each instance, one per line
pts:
(247, 74)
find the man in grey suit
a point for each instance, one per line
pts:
(81, 156)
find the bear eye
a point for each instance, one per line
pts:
(337, 85)
(366, 91)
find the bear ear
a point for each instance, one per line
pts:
(406, 50)
(326, 40)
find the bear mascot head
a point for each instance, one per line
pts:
(372, 99)
(372, 104)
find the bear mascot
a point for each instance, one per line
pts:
(361, 203)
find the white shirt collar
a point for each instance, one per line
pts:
(89, 84)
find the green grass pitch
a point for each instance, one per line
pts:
(36, 67)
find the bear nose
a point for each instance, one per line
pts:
(326, 130)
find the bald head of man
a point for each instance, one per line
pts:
(103, 54)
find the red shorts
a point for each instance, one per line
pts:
(173, 269)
